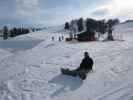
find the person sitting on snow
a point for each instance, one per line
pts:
(84, 68)
(86, 64)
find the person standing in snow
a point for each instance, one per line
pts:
(60, 39)
(52, 38)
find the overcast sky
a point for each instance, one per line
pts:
(55, 12)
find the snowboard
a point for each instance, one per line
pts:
(81, 75)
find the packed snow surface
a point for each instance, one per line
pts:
(30, 67)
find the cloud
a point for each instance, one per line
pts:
(117, 8)
(53, 12)
(100, 12)
(27, 8)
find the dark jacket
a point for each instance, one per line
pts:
(86, 64)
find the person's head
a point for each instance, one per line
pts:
(86, 54)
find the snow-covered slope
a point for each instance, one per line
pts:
(32, 71)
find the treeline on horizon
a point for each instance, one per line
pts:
(89, 26)
(13, 32)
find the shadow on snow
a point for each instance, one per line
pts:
(67, 83)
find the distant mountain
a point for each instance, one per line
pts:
(127, 24)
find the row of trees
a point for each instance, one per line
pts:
(77, 24)
(14, 32)
(91, 26)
